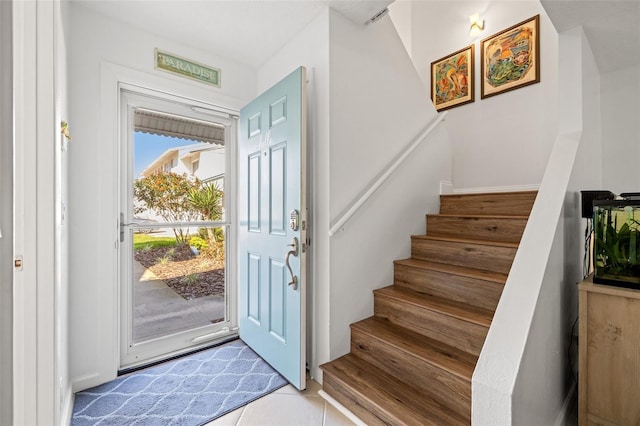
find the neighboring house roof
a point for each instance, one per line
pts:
(182, 152)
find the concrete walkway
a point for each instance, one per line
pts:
(159, 311)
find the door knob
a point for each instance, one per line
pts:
(294, 278)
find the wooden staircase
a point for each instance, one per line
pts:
(411, 363)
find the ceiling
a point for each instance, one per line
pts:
(612, 28)
(236, 29)
(247, 31)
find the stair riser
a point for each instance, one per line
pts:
(508, 203)
(476, 292)
(370, 411)
(461, 334)
(356, 405)
(487, 229)
(452, 390)
(478, 256)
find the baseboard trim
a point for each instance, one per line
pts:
(562, 417)
(86, 382)
(512, 188)
(67, 407)
(344, 410)
(446, 187)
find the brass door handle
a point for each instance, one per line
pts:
(295, 245)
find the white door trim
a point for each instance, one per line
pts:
(111, 76)
(6, 216)
(36, 392)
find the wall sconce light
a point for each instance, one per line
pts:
(477, 24)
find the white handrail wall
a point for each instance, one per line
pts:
(495, 375)
(385, 175)
(522, 375)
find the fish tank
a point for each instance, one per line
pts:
(616, 249)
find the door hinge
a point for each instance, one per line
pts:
(17, 263)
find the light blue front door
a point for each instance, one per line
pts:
(272, 227)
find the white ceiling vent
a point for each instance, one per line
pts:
(363, 11)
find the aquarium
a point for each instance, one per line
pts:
(616, 249)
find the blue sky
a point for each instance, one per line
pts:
(148, 147)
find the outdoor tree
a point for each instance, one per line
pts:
(167, 194)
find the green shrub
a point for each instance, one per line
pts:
(198, 243)
(191, 279)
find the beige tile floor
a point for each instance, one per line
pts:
(289, 407)
(286, 407)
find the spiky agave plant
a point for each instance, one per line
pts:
(208, 201)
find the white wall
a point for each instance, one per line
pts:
(377, 106)
(621, 130)
(93, 178)
(366, 103)
(504, 140)
(211, 164)
(401, 12)
(310, 48)
(6, 216)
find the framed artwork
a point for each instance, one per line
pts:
(452, 81)
(511, 58)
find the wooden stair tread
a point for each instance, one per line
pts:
(466, 241)
(454, 270)
(462, 311)
(515, 202)
(448, 358)
(479, 194)
(400, 403)
(480, 216)
(492, 195)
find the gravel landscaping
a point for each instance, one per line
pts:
(188, 275)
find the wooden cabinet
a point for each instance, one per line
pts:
(609, 371)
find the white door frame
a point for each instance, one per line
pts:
(111, 77)
(36, 391)
(6, 216)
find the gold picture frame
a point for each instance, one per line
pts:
(510, 59)
(452, 79)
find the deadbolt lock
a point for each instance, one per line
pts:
(294, 218)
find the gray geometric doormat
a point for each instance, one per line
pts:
(188, 391)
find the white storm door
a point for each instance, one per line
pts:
(272, 227)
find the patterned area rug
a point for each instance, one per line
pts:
(187, 391)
